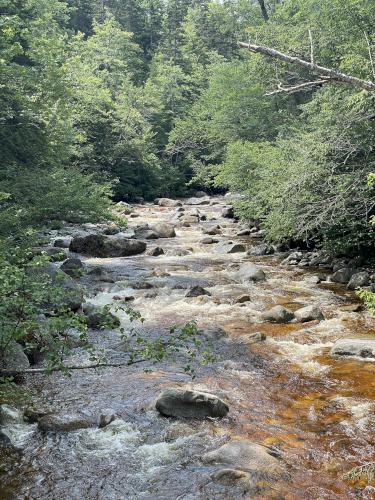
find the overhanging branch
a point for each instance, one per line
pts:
(329, 73)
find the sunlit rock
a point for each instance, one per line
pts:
(183, 403)
(278, 314)
(309, 313)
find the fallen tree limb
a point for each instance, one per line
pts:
(331, 74)
(11, 373)
(296, 88)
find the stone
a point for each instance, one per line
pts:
(164, 230)
(212, 231)
(167, 202)
(250, 272)
(145, 233)
(196, 291)
(243, 232)
(364, 348)
(200, 194)
(309, 313)
(72, 267)
(248, 456)
(14, 358)
(229, 247)
(106, 417)
(278, 314)
(62, 242)
(343, 275)
(189, 219)
(185, 403)
(96, 245)
(293, 258)
(358, 280)
(228, 213)
(123, 208)
(198, 201)
(155, 252)
(208, 241)
(63, 422)
(262, 249)
(98, 317)
(111, 229)
(178, 430)
(124, 298)
(242, 299)
(55, 254)
(352, 308)
(142, 285)
(10, 415)
(252, 338)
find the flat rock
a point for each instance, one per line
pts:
(96, 245)
(167, 202)
(278, 314)
(208, 240)
(184, 403)
(196, 291)
(64, 422)
(309, 313)
(242, 299)
(229, 247)
(62, 242)
(364, 348)
(248, 272)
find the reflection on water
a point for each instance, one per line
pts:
(286, 391)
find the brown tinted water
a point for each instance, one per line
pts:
(286, 392)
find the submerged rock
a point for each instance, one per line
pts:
(96, 245)
(183, 403)
(358, 280)
(278, 314)
(64, 422)
(309, 313)
(249, 272)
(364, 348)
(155, 252)
(196, 291)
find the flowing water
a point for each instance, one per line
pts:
(286, 392)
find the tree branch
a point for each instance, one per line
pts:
(296, 88)
(332, 74)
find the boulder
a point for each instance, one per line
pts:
(111, 229)
(98, 317)
(55, 254)
(164, 230)
(96, 245)
(243, 232)
(343, 275)
(198, 201)
(106, 417)
(10, 415)
(155, 252)
(184, 403)
(123, 208)
(196, 291)
(64, 422)
(309, 313)
(144, 232)
(242, 299)
(72, 267)
(358, 280)
(208, 241)
(200, 194)
(167, 202)
(213, 230)
(249, 272)
(14, 358)
(278, 314)
(262, 249)
(62, 242)
(189, 219)
(247, 456)
(228, 213)
(230, 247)
(364, 348)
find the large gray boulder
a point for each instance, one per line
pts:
(212, 231)
(249, 272)
(145, 232)
(10, 415)
(189, 219)
(278, 314)
(309, 313)
(167, 202)
(72, 267)
(97, 245)
(364, 348)
(262, 249)
(358, 280)
(343, 275)
(164, 230)
(184, 403)
(64, 422)
(230, 247)
(228, 213)
(247, 456)
(14, 358)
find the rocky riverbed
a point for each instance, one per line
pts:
(285, 410)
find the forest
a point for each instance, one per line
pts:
(110, 104)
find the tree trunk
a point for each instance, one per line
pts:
(264, 10)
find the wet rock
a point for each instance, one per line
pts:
(293, 258)
(183, 403)
(64, 422)
(178, 430)
(99, 317)
(343, 275)
(97, 245)
(164, 230)
(142, 285)
(352, 308)
(243, 232)
(215, 333)
(14, 358)
(229, 247)
(278, 314)
(320, 260)
(167, 202)
(208, 241)
(146, 233)
(252, 338)
(196, 291)
(33, 414)
(248, 456)
(189, 219)
(228, 213)
(106, 417)
(10, 415)
(155, 252)
(55, 254)
(150, 295)
(62, 242)
(111, 229)
(249, 272)
(198, 201)
(213, 230)
(262, 249)
(72, 267)
(123, 298)
(364, 348)
(242, 298)
(309, 313)
(358, 280)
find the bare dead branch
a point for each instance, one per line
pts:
(332, 74)
(296, 88)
